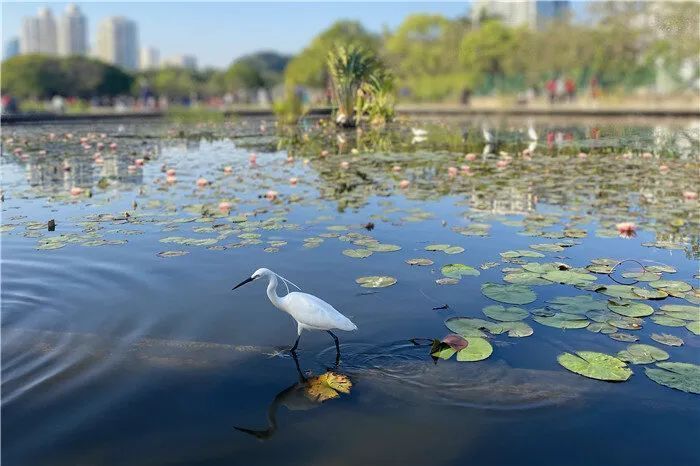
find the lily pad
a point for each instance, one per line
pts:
(419, 261)
(678, 375)
(667, 339)
(601, 327)
(643, 276)
(437, 247)
(477, 350)
(667, 321)
(647, 293)
(525, 278)
(630, 308)
(172, 253)
(375, 281)
(626, 337)
(671, 286)
(626, 323)
(569, 277)
(509, 294)
(459, 270)
(599, 366)
(563, 320)
(447, 281)
(577, 304)
(682, 311)
(468, 327)
(357, 253)
(381, 247)
(694, 327)
(453, 250)
(517, 329)
(503, 314)
(642, 354)
(619, 291)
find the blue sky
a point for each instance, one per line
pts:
(216, 33)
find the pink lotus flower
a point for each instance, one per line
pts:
(293, 181)
(76, 191)
(647, 155)
(465, 169)
(290, 159)
(582, 155)
(344, 165)
(470, 156)
(138, 162)
(324, 153)
(452, 171)
(253, 158)
(502, 164)
(396, 168)
(690, 195)
(113, 146)
(663, 168)
(100, 145)
(271, 195)
(170, 172)
(404, 184)
(626, 229)
(131, 168)
(225, 207)
(171, 179)
(202, 182)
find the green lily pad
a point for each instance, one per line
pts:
(477, 350)
(626, 323)
(599, 366)
(693, 327)
(453, 250)
(601, 327)
(172, 253)
(671, 286)
(682, 311)
(563, 320)
(600, 268)
(520, 253)
(468, 327)
(646, 293)
(543, 268)
(547, 247)
(380, 247)
(357, 253)
(667, 321)
(577, 304)
(667, 339)
(419, 261)
(447, 281)
(503, 314)
(642, 354)
(375, 281)
(517, 329)
(509, 294)
(626, 337)
(459, 270)
(51, 245)
(678, 375)
(660, 268)
(569, 277)
(630, 308)
(437, 247)
(643, 276)
(525, 278)
(619, 291)
(605, 261)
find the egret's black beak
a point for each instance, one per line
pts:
(247, 280)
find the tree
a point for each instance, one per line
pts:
(487, 50)
(309, 67)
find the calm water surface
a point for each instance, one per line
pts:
(112, 354)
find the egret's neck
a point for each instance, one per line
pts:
(272, 291)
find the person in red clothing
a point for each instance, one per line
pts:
(551, 87)
(570, 87)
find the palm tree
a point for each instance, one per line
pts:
(349, 68)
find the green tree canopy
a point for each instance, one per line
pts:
(309, 67)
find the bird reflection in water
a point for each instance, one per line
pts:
(308, 393)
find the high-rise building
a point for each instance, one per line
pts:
(530, 13)
(118, 42)
(11, 48)
(72, 32)
(182, 61)
(150, 58)
(39, 33)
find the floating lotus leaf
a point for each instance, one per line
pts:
(568, 277)
(488, 265)
(605, 261)
(643, 276)
(478, 350)
(520, 253)
(459, 270)
(525, 278)
(437, 247)
(577, 304)
(503, 314)
(447, 281)
(380, 247)
(667, 321)
(626, 323)
(599, 366)
(172, 253)
(693, 327)
(327, 386)
(50, 245)
(678, 375)
(542, 268)
(453, 250)
(667, 339)
(601, 316)
(419, 261)
(249, 235)
(647, 293)
(547, 247)
(600, 268)
(682, 311)
(619, 291)
(642, 354)
(601, 327)
(517, 329)
(357, 253)
(626, 337)
(660, 268)
(469, 327)
(630, 308)
(671, 286)
(563, 320)
(510, 294)
(375, 281)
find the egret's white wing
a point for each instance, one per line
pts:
(315, 312)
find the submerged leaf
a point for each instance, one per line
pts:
(599, 366)
(678, 375)
(667, 339)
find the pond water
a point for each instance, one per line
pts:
(123, 343)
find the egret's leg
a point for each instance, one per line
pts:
(296, 343)
(296, 363)
(337, 347)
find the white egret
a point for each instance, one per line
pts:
(531, 133)
(310, 312)
(488, 135)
